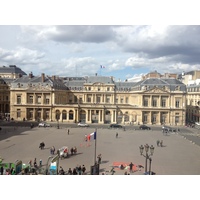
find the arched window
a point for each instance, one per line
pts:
(71, 115)
(57, 114)
(64, 114)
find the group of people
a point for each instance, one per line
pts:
(78, 170)
(7, 171)
(52, 150)
(159, 143)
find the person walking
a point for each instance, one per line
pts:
(40, 162)
(158, 143)
(131, 167)
(68, 131)
(2, 169)
(161, 143)
(116, 135)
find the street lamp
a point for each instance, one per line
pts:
(147, 155)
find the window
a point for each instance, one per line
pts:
(80, 100)
(30, 100)
(108, 89)
(39, 99)
(145, 118)
(107, 99)
(154, 103)
(47, 101)
(122, 100)
(64, 115)
(18, 99)
(75, 99)
(89, 98)
(98, 99)
(47, 115)
(163, 119)
(145, 102)
(177, 103)
(18, 113)
(126, 99)
(116, 100)
(71, 114)
(163, 102)
(154, 119)
(176, 119)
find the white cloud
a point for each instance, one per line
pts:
(21, 56)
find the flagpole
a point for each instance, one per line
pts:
(95, 147)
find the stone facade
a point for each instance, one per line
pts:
(98, 99)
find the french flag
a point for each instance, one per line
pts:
(92, 136)
(102, 66)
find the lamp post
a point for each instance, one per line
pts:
(147, 155)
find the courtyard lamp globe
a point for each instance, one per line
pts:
(146, 148)
(141, 149)
(151, 149)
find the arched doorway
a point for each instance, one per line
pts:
(71, 115)
(82, 116)
(119, 117)
(57, 115)
(107, 117)
(64, 115)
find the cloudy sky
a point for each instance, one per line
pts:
(126, 51)
(79, 50)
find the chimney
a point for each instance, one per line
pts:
(53, 77)
(31, 75)
(43, 77)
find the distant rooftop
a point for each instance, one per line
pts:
(11, 69)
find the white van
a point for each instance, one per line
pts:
(168, 129)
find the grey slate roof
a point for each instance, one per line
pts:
(77, 83)
(100, 79)
(12, 69)
(169, 83)
(26, 81)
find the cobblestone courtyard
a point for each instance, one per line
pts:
(179, 156)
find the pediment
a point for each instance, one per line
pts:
(157, 90)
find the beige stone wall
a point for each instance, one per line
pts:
(73, 106)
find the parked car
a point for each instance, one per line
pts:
(144, 127)
(115, 126)
(44, 124)
(168, 129)
(82, 124)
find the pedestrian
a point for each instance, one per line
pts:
(53, 149)
(99, 158)
(79, 170)
(158, 143)
(61, 171)
(161, 143)
(2, 169)
(116, 135)
(40, 162)
(83, 169)
(131, 167)
(30, 163)
(74, 172)
(69, 171)
(35, 163)
(68, 131)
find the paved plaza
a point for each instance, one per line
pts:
(178, 156)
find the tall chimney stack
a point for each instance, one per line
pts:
(43, 77)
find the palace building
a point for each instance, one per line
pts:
(98, 99)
